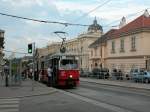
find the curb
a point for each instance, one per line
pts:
(33, 95)
(116, 85)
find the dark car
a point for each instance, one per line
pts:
(85, 73)
(95, 72)
(102, 73)
(118, 74)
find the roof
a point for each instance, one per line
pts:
(2, 30)
(95, 26)
(139, 23)
(102, 39)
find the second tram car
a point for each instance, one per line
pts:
(65, 69)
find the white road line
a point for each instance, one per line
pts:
(9, 105)
(10, 110)
(7, 102)
(97, 103)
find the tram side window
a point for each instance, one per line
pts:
(68, 64)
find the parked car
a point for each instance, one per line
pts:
(85, 73)
(95, 72)
(102, 73)
(117, 74)
(143, 76)
(135, 71)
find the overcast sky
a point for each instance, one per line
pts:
(18, 33)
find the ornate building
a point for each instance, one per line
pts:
(80, 44)
(124, 48)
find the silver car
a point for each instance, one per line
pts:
(134, 72)
(143, 77)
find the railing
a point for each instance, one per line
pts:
(123, 77)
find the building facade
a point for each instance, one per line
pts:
(42, 52)
(127, 47)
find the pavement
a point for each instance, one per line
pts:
(25, 89)
(118, 83)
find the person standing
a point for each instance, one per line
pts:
(49, 73)
(31, 73)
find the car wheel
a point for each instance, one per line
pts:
(146, 81)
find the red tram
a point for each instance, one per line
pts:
(65, 69)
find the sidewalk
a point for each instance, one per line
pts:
(25, 90)
(117, 83)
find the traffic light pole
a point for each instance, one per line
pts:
(33, 66)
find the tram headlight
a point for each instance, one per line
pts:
(70, 76)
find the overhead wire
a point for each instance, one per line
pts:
(42, 21)
(84, 15)
(14, 52)
(99, 6)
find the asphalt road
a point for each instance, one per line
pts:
(125, 98)
(89, 97)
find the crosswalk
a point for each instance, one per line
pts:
(9, 105)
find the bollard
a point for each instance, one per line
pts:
(6, 81)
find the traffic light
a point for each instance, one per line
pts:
(30, 48)
(1, 42)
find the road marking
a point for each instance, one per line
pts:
(9, 105)
(116, 88)
(97, 103)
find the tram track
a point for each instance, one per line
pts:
(120, 90)
(99, 103)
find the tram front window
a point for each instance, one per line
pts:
(68, 64)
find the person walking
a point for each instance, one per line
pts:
(49, 73)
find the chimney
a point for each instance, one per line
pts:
(146, 14)
(122, 22)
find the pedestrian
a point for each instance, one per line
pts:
(31, 73)
(49, 73)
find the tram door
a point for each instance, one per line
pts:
(55, 66)
(42, 67)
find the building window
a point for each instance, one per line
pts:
(95, 50)
(113, 47)
(122, 45)
(81, 49)
(91, 53)
(133, 43)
